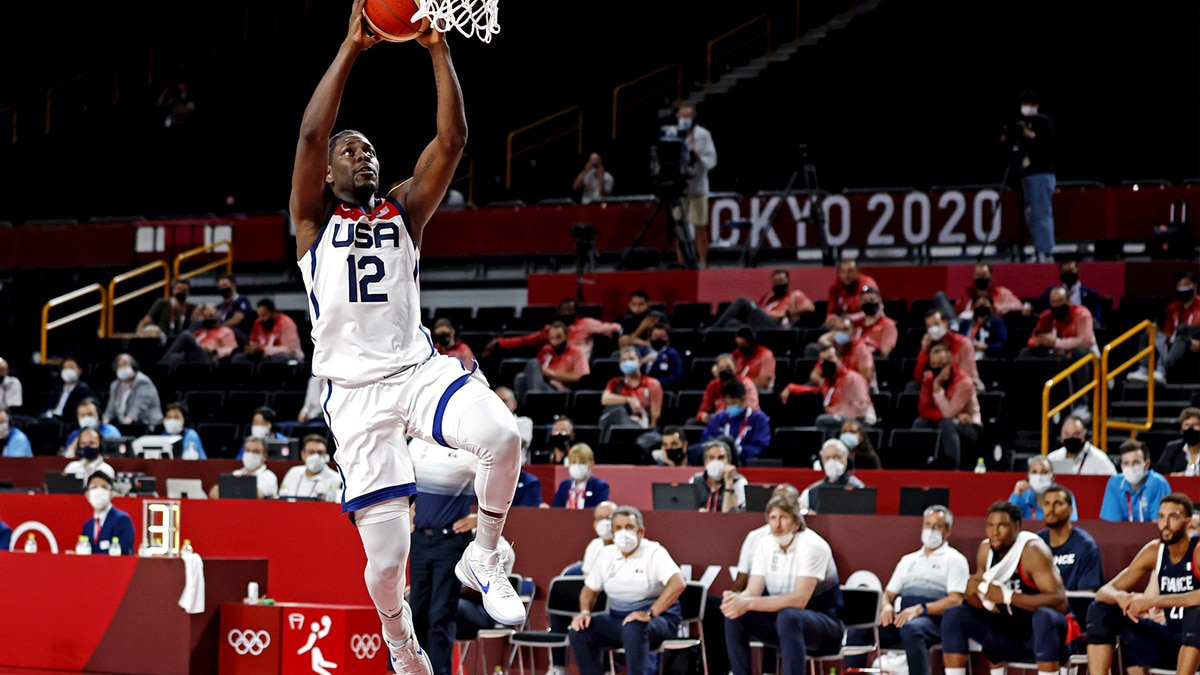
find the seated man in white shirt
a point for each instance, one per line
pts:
(1087, 459)
(643, 585)
(254, 463)
(90, 461)
(314, 478)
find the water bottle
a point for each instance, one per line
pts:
(114, 546)
(30, 544)
(190, 452)
(497, 671)
(82, 547)
(144, 549)
(187, 546)
(1191, 469)
(980, 467)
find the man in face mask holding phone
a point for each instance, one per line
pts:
(107, 522)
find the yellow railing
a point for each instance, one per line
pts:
(1107, 374)
(577, 129)
(709, 57)
(1048, 412)
(99, 308)
(225, 261)
(113, 300)
(617, 106)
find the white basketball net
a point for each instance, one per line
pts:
(472, 18)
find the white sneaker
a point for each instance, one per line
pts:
(487, 575)
(1160, 377)
(1140, 375)
(407, 657)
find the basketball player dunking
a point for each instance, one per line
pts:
(384, 381)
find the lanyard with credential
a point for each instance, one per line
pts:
(741, 432)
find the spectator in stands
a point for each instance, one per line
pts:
(862, 451)
(949, 404)
(1065, 331)
(1178, 341)
(702, 158)
(1180, 457)
(643, 585)
(674, 449)
(210, 342)
(1077, 294)
(845, 393)
(262, 426)
(661, 360)
(234, 310)
(985, 328)
(875, 329)
(793, 597)
(107, 522)
(1075, 551)
(558, 365)
(562, 437)
(839, 474)
(175, 423)
(962, 352)
(1133, 494)
(132, 397)
(724, 370)
(1088, 460)
(66, 397)
(855, 354)
(13, 441)
(750, 430)
(639, 320)
(1028, 493)
(169, 317)
(524, 423)
(87, 415)
(927, 582)
(582, 490)
(11, 395)
(313, 479)
(719, 487)
(90, 460)
(782, 307)
(593, 182)
(845, 295)
(445, 340)
(1031, 143)
(754, 360)
(631, 399)
(254, 463)
(1002, 300)
(274, 337)
(579, 332)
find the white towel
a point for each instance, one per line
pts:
(1002, 571)
(192, 599)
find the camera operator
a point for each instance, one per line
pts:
(1031, 142)
(594, 182)
(684, 185)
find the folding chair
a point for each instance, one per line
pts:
(562, 599)
(526, 592)
(691, 609)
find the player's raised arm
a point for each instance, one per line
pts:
(435, 168)
(307, 203)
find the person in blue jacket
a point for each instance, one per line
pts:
(582, 490)
(749, 429)
(1133, 495)
(107, 521)
(1028, 493)
(175, 423)
(13, 441)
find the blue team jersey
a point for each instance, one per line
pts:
(1174, 578)
(1078, 561)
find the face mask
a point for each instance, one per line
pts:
(684, 123)
(604, 529)
(181, 298)
(748, 350)
(70, 376)
(3, 430)
(252, 460)
(1133, 474)
(779, 290)
(1029, 110)
(982, 284)
(1191, 436)
(89, 422)
(208, 324)
(735, 410)
(869, 308)
(936, 332)
(314, 463)
(1040, 481)
(841, 338)
(561, 441)
(629, 367)
(568, 319)
(125, 373)
(834, 469)
(1185, 294)
(849, 439)
(560, 347)
(829, 369)
(930, 538)
(1060, 312)
(225, 292)
(725, 374)
(983, 312)
(782, 540)
(90, 452)
(442, 339)
(625, 541)
(267, 324)
(578, 471)
(658, 344)
(260, 430)
(99, 498)
(715, 469)
(1068, 278)
(675, 455)
(1073, 445)
(173, 426)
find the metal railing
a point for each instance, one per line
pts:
(1048, 412)
(577, 129)
(99, 308)
(617, 106)
(1107, 374)
(114, 300)
(728, 35)
(225, 261)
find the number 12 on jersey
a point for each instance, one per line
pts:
(360, 286)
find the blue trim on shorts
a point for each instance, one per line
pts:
(441, 407)
(329, 424)
(381, 495)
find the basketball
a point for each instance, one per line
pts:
(391, 20)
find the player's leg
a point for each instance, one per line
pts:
(384, 530)
(1104, 623)
(1189, 654)
(1049, 634)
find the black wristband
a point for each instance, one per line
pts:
(924, 609)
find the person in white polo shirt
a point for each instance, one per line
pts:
(1085, 458)
(793, 599)
(926, 581)
(314, 479)
(254, 463)
(643, 585)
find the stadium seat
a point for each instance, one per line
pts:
(459, 316)
(691, 315)
(543, 406)
(796, 446)
(585, 406)
(535, 317)
(240, 405)
(493, 319)
(229, 376)
(203, 405)
(220, 439)
(287, 404)
(781, 341)
(909, 448)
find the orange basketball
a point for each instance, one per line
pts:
(391, 20)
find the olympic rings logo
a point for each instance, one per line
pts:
(249, 641)
(365, 646)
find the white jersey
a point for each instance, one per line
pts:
(364, 295)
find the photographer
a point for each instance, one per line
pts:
(1031, 142)
(593, 180)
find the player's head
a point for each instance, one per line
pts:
(1057, 505)
(1003, 523)
(1174, 516)
(353, 167)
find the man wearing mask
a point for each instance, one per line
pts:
(844, 393)
(783, 306)
(579, 331)
(719, 487)
(210, 342)
(702, 158)
(662, 361)
(985, 328)
(13, 442)
(273, 337)
(835, 461)
(262, 425)
(107, 522)
(858, 442)
(557, 366)
(845, 295)
(1133, 495)
(1067, 332)
(962, 352)
(175, 423)
(1075, 551)
(170, 316)
(1028, 493)
(639, 320)
(750, 430)
(582, 490)
(1088, 460)
(948, 403)
(712, 401)
(90, 460)
(1003, 300)
(1179, 338)
(602, 524)
(314, 479)
(631, 399)
(562, 437)
(855, 354)
(927, 582)
(234, 310)
(1180, 456)
(674, 450)
(254, 463)
(445, 340)
(132, 397)
(754, 360)
(875, 329)
(87, 415)
(1077, 293)
(66, 397)
(1030, 141)
(11, 395)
